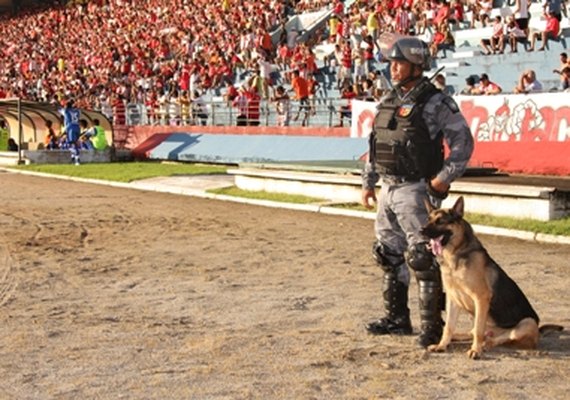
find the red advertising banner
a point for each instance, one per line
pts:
(515, 133)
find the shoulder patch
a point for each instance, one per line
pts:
(451, 104)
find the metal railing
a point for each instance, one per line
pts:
(320, 112)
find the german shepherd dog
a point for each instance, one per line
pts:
(474, 282)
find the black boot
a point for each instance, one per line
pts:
(397, 321)
(430, 299)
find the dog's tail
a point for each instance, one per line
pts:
(549, 328)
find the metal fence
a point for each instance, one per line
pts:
(319, 112)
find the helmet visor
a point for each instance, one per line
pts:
(386, 42)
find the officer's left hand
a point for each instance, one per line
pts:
(439, 186)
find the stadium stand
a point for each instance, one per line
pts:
(469, 59)
(143, 65)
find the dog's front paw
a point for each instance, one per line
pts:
(436, 348)
(474, 354)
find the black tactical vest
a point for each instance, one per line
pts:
(403, 145)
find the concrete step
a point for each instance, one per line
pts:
(452, 64)
(467, 53)
(9, 158)
(64, 156)
(518, 201)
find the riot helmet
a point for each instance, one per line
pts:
(412, 50)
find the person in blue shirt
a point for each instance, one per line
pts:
(71, 117)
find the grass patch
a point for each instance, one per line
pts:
(261, 195)
(556, 227)
(125, 172)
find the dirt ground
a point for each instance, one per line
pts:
(114, 293)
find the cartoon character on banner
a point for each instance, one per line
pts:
(506, 125)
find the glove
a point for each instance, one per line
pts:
(434, 193)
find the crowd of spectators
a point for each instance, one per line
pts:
(516, 29)
(527, 81)
(167, 53)
(107, 51)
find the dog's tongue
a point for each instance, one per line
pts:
(436, 246)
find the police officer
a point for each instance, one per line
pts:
(406, 155)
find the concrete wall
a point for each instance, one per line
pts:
(143, 139)
(239, 149)
(529, 157)
(64, 156)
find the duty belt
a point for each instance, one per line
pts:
(396, 180)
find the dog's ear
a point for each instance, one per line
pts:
(459, 206)
(429, 206)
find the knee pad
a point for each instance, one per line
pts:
(418, 257)
(387, 259)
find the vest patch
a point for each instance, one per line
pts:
(405, 110)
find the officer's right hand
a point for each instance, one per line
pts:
(368, 199)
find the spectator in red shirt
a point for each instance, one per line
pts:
(283, 56)
(253, 106)
(402, 21)
(550, 32)
(264, 41)
(346, 64)
(240, 102)
(301, 88)
(486, 86)
(231, 92)
(442, 39)
(313, 89)
(345, 111)
(456, 13)
(443, 12)
(338, 8)
(119, 110)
